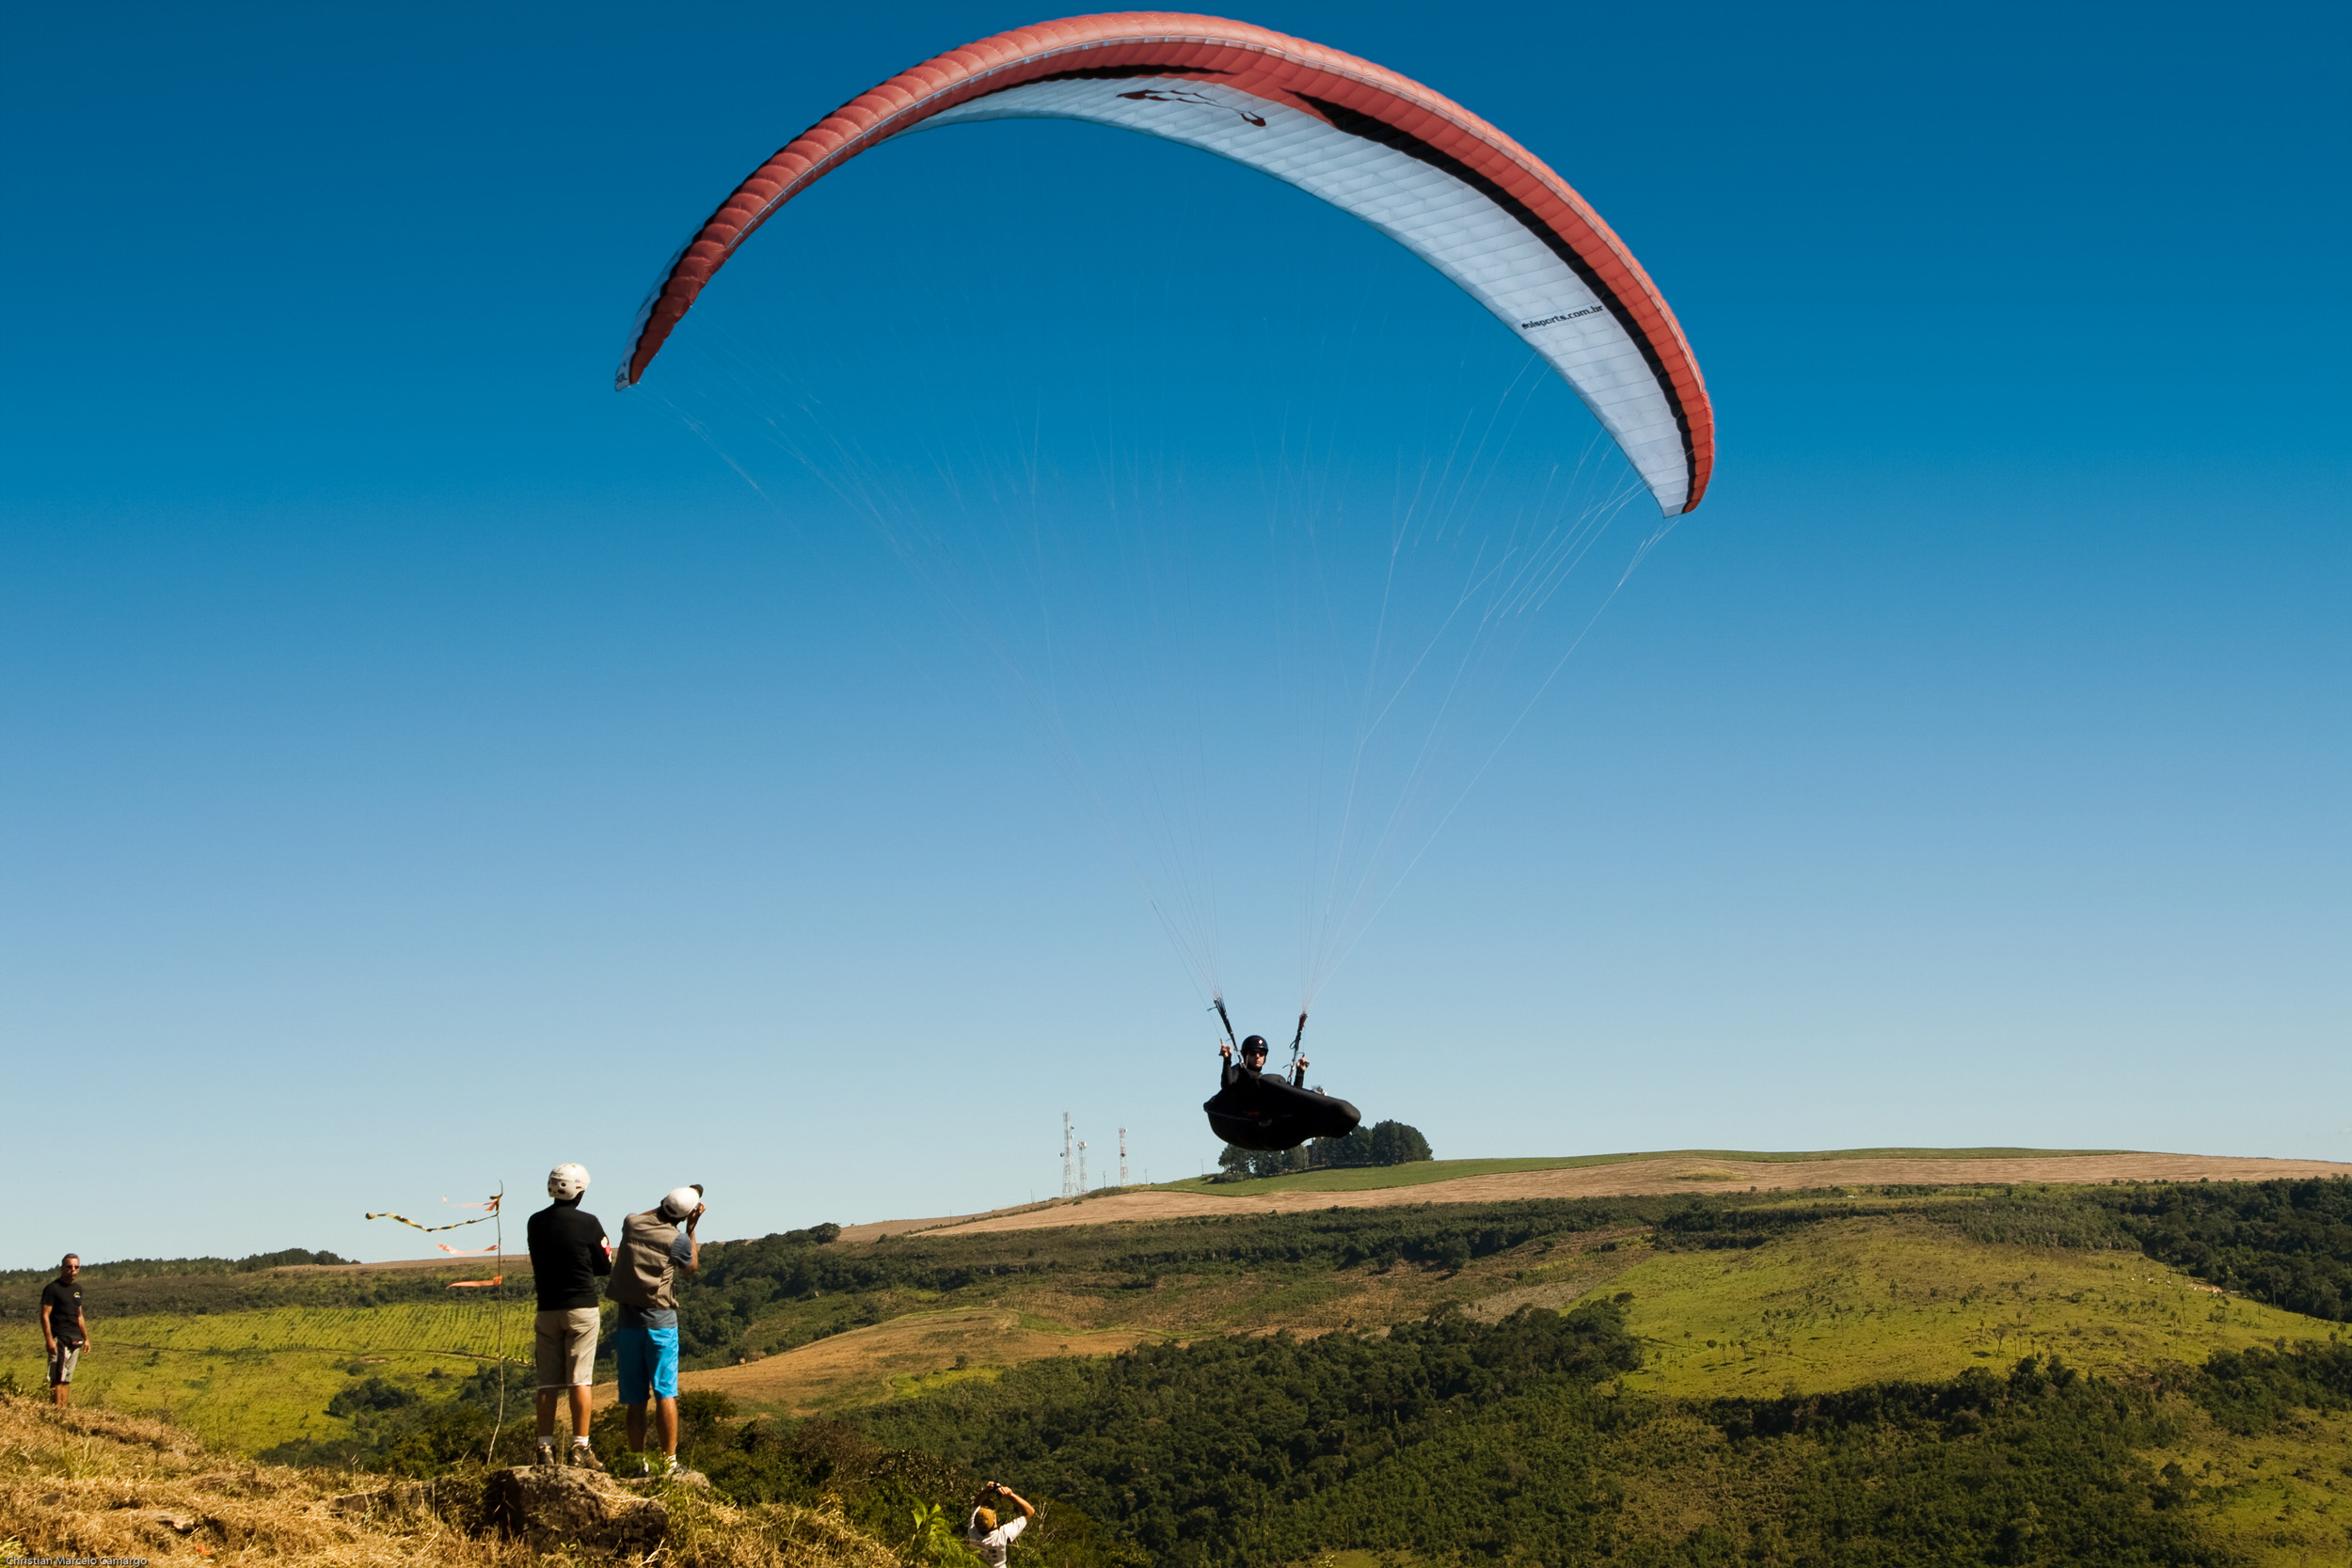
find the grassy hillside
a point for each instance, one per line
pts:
(1787, 1355)
(97, 1486)
(1864, 1300)
(1521, 1441)
(244, 1381)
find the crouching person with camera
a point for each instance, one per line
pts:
(990, 1540)
(654, 1246)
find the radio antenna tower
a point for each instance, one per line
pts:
(1123, 1156)
(1082, 1165)
(1069, 1171)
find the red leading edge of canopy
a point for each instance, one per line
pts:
(1252, 59)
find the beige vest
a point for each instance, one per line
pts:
(642, 1267)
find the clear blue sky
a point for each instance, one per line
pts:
(419, 765)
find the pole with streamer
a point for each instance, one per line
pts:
(496, 1218)
(498, 1344)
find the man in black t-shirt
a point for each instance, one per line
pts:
(62, 1327)
(568, 1255)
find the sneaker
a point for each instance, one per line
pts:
(547, 1455)
(583, 1457)
(644, 1468)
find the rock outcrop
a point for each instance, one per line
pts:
(551, 1508)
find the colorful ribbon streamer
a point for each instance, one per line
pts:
(492, 1206)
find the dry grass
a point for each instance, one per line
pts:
(91, 1484)
(916, 1352)
(866, 1365)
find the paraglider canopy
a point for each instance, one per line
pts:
(1454, 190)
(1416, 599)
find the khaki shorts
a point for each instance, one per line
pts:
(61, 1363)
(565, 1345)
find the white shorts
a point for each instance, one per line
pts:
(61, 1363)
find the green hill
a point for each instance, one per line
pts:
(1857, 1376)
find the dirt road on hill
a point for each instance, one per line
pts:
(1684, 1175)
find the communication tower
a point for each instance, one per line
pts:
(1123, 1156)
(1082, 1165)
(1069, 1171)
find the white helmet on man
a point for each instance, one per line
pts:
(680, 1202)
(567, 1182)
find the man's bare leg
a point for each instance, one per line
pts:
(57, 1393)
(665, 1419)
(579, 1412)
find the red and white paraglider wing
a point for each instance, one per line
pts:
(1420, 168)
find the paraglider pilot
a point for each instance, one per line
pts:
(1253, 1053)
(1256, 1109)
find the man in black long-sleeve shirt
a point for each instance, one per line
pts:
(568, 1255)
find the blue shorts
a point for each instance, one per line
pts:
(647, 1356)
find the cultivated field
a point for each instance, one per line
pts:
(243, 1381)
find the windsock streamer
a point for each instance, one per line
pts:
(1450, 187)
(417, 1225)
(388, 1215)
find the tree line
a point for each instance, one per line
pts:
(1383, 1143)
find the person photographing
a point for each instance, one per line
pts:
(982, 1531)
(654, 1246)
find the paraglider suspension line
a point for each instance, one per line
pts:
(1226, 1019)
(1298, 1035)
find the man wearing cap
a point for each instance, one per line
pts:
(568, 1255)
(653, 1248)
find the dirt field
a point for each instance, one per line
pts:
(1663, 1176)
